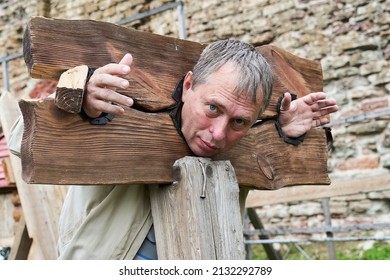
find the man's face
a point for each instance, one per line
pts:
(214, 117)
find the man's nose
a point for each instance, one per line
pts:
(219, 130)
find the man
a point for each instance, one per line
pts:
(218, 102)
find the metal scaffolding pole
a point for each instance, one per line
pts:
(180, 9)
(307, 240)
(4, 59)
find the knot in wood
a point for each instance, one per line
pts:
(265, 167)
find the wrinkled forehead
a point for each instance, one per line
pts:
(241, 85)
(227, 80)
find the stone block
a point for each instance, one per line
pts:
(360, 206)
(364, 92)
(379, 195)
(365, 57)
(339, 209)
(367, 128)
(372, 104)
(374, 67)
(355, 40)
(306, 209)
(378, 207)
(380, 78)
(278, 7)
(385, 161)
(361, 163)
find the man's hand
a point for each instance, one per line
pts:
(299, 116)
(101, 95)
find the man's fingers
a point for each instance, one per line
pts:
(117, 69)
(101, 94)
(107, 80)
(286, 102)
(320, 121)
(114, 97)
(127, 60)
(314, 97)
(106, 100)
(323, 104)
(324, 111)
(111, 96)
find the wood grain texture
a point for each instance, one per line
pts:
(210, 227)
(140, 147)
(158, 61)
(70, 89)
(8, 171)
(21, 247)
(137, 147)
(262, 159)
(7, 222)
(290, 74)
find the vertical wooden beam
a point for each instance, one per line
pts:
(8, 172)
(257, 224)
(198, 216)
(22, 243)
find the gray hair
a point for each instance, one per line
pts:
(255, 72)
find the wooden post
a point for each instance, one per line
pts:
(198, 216)
(22, 243)
(257, 224)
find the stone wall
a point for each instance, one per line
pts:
(349, 37)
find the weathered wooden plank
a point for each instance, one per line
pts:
(138, 147)
(262, 160)
(159, 61)
(70, 89)
(134, 148)
(337, 188)
(7, 221)
(8, 171)
(290, 74)
(22, 243)
(203, 205)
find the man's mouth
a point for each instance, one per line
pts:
(208, 146)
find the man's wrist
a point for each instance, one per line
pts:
(102, 119)
(290, 140)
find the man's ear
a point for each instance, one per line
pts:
(187, 85)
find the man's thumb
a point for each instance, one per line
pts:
(127, 59)
(286, 102)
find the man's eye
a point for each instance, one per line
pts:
(213, 107)
(239, 122)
